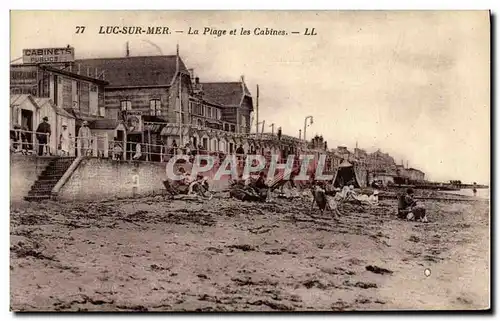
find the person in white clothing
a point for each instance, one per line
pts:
(135, 182)
(84, 136)
(64, 140)
(138, 152)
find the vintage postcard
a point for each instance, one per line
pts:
(249, 161)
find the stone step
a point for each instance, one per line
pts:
(47, 181)
(45, 178)
(41, 184)
(60, 166)
(35, 198)
(40, 192)
(37, 188)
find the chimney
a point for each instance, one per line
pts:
(191, 73)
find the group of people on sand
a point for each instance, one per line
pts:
(188, 185)
(251, 189)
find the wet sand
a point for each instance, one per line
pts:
(152, 254)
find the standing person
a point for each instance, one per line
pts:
(174, 148)
(240, 150)
(138, 152)
(117, 151)
(135, 182)
(24, 139)
(64, 140)
(187, 149)
(43, 134)
(474, 189)
(84, 135)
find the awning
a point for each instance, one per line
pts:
(174, 131)
(153, 127)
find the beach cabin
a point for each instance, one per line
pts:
(57, 118)
(24, 113)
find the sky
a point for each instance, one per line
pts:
(415, 84)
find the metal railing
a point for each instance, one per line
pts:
(45, 144)
(30, 142)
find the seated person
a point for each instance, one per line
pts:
(197, 184)
(260, 185)
(180, 186)
(261, 181)
(408, 207)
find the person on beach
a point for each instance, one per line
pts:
(261, 187)
(408, 207)
(135, 182)
(474, 189)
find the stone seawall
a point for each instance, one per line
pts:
(24, 171)
(104, 179)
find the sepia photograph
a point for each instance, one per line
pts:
(250, 161)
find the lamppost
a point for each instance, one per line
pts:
(305, 124)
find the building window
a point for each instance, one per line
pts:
(126, 105)
(155, 107)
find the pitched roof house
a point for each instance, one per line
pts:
(234, 98)
(148, 84)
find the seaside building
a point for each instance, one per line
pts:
(158, 102)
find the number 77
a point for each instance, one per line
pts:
(80, 29)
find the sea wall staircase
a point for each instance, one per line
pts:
(42, 188)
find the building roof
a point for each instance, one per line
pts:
(38, 102)
(43, 101)
(73, 75)
(18, 99)
(225, 93)
(135, 71)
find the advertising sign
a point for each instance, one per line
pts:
(48, 55)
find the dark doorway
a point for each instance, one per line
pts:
(27, 124)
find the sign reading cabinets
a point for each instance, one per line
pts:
(48, 55)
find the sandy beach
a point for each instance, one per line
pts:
(152, 254)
